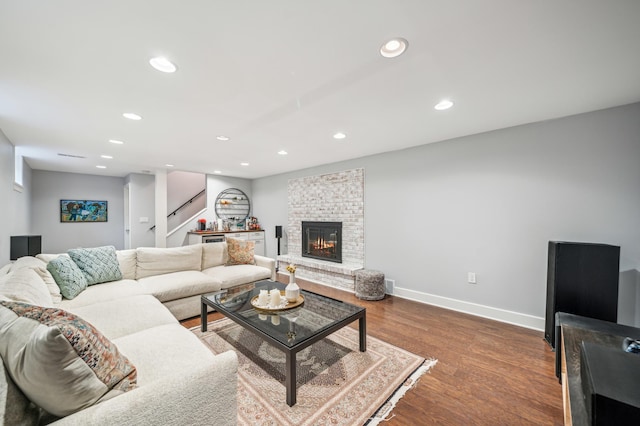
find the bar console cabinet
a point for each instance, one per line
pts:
(582, 279)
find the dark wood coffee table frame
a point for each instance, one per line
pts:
(290, 351)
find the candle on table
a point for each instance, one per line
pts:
(275, 298)
(263, 298)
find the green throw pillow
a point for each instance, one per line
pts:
(99, 264)
(68, 276)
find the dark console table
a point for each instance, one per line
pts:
(571, 331)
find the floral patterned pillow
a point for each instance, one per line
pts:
(59, 361)
(240, 252)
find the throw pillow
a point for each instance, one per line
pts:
(240, 252)
(68, 276)
(99, 264)
(25, 285)
(61, 362)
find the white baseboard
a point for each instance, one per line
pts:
(502, 315)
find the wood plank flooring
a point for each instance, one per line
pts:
(488, 372)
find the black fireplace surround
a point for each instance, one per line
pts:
(322, 240)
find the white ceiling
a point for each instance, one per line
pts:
(286, 75)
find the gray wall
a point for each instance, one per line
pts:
(16, 206)
(50, 187)
(488, 204)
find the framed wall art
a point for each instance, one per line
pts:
(83, 211)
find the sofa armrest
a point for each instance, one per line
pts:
(267, 262)
(205, 396)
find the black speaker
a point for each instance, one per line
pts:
(25, 245)
(278, 231)
(582, 279)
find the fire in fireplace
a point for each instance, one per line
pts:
(322, 240)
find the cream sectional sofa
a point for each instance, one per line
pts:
(179, 381)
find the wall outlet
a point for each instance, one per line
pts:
(389, 284)
(471, 277)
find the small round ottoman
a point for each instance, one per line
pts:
(369, 284)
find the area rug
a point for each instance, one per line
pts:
(337, 384)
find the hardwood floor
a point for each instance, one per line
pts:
(488, 372)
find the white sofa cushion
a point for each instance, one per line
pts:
(41, 269)
(163, 351)
(48, 257)
(127, 260)
(120, 317)
(61, 363)
(177, 285)
(103, 292)
(231, 276)
(157, 261)
(5, 269)
(214, 254)
(25, 285)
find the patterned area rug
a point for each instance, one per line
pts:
(337, 384)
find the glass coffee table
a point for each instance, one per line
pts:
(289, 330)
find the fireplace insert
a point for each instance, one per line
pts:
(322, 240)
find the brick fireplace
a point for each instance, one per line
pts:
(334, 198)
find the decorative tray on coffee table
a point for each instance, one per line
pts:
(284, 304)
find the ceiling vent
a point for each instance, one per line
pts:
(71, 155)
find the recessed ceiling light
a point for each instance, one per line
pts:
(394, 47)
(107, 157)
(443, 104)
(244, 164)
(339, 135)
(132, 116)
(217, 172)
(169, 165)
(101, 167)
(223, 138)
(162, 64)
(283, 152)
(117, 142)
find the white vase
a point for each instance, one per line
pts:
(292, 291)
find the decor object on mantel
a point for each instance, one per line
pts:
(342, 386)
(292, 291)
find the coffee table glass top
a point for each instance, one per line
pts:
(289, 327)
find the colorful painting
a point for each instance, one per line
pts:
(83, 211)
